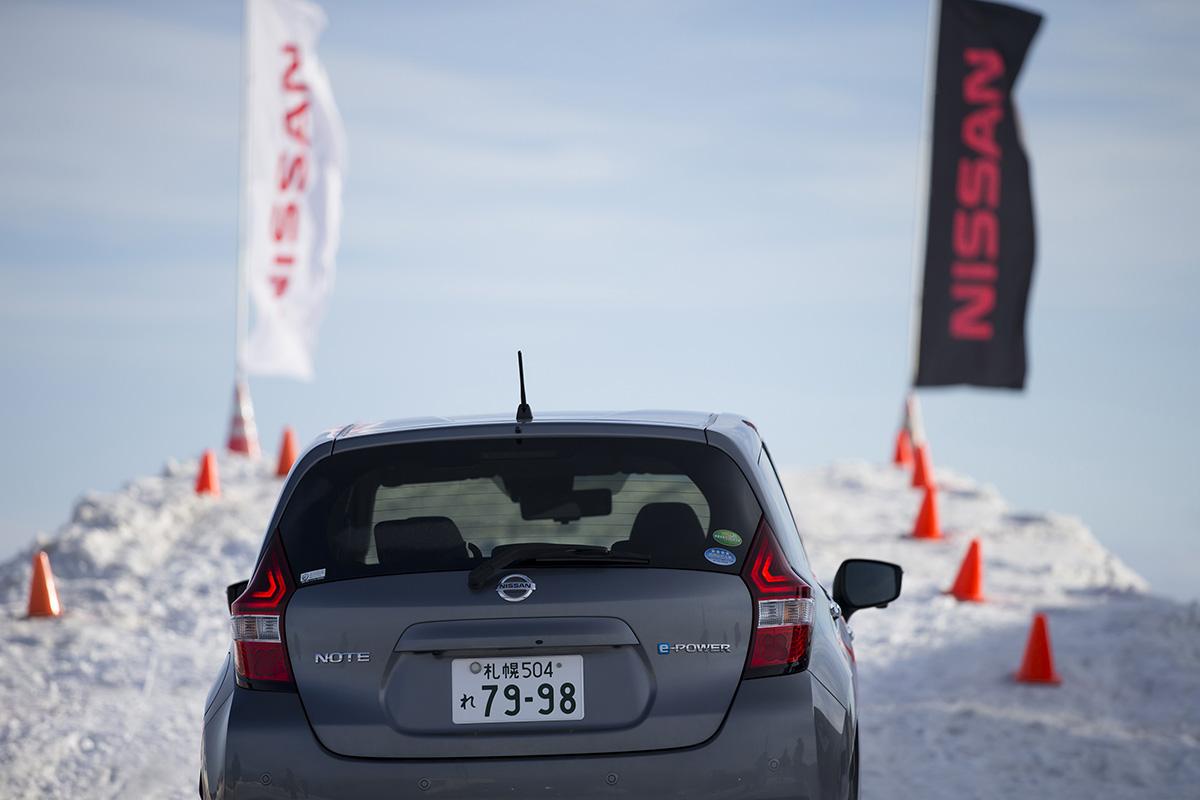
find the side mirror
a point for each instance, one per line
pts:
(233, 591)
(862, 583)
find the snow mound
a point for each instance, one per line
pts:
(107, 701)
(940, 715)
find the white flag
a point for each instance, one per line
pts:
(293, 186)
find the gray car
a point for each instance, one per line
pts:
(577, 606)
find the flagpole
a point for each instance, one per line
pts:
(241, 307)
(921, 202)
(243, 434)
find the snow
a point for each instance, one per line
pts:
(940, 715)
(107, 700)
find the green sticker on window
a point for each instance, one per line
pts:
(727, 538)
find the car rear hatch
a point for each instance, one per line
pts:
(635, 641)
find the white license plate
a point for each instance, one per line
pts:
(520, 689)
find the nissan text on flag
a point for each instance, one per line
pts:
(564, 606)
(979, 238)
(294, 157)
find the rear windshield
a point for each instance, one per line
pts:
(448, 505)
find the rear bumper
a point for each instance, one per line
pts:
(785, 737)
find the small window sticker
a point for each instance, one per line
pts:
(720, 556)
(727, 538)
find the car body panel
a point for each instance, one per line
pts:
(785, 737)
(694, 420)
(221, 687)
(397, 704)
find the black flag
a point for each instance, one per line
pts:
(979, 244)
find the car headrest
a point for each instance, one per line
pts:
(427, 541)
(671, 529)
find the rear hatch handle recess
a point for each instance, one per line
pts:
(548, 552)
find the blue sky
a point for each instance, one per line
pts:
(676, 204)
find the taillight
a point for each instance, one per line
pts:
(783, 609)
(259, 652)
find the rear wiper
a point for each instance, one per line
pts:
(546, 551)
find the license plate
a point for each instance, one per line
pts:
(522, 689)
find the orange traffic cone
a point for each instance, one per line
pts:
(208, 481)
(287, 453)
(903, 456)
(243, 435)
(43, 597)
(927, 525)
(923, 470)
(968, 586)
(910, 422)
(1038, 664)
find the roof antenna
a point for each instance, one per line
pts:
(524, 412)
